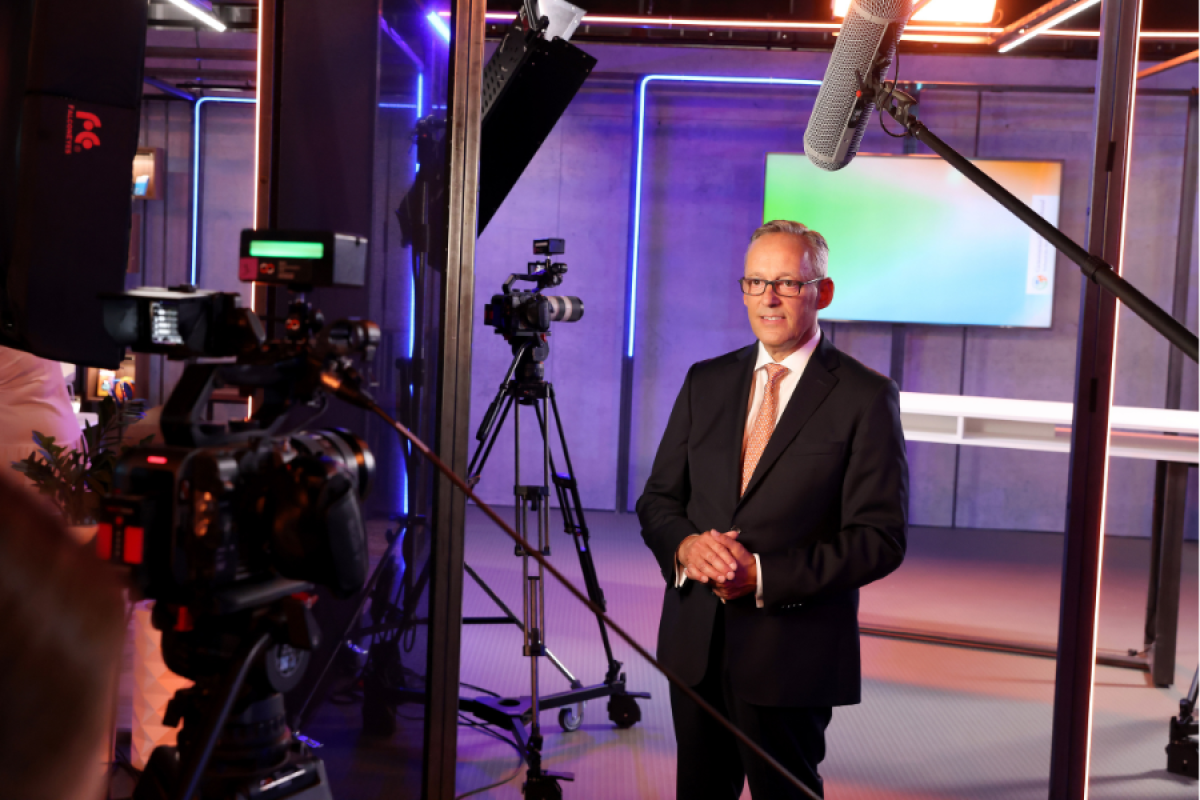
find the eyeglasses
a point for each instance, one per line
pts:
(783, 288)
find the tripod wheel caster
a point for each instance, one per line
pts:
(623, 710)
(571, 718)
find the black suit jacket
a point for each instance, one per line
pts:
(826, 511)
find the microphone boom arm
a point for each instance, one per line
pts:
(900, 105)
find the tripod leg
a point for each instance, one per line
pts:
(571, 506)
(194, 768)
(300, 718)
(484, 449)
(490, 426)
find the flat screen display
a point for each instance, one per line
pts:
(912, 240)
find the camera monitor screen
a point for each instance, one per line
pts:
(912, 240)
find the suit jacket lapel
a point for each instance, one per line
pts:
(734, 400)
(815, 385)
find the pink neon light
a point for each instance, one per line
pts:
(746, 24)
(1070, 34)
(775, 25)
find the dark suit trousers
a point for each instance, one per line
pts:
(713, 765)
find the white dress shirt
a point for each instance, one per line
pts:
(795, 363)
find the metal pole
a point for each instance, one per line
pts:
(454, 396)
(1095, 268)
(1087, 483)
(1183, 248)
(1170, 480)
(266, 124)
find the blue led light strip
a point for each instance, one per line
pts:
(635, 245)
(196, 119)
(439, 25)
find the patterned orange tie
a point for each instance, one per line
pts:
(764, 423)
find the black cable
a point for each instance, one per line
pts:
(484, 727)
(191, 772)
(356, 397)
(891, 94)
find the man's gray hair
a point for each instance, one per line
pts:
(818, 248)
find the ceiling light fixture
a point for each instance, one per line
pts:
(438, 24)
(201, 10)
(941, 10)
(1040, 21)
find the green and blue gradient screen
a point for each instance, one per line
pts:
(912, 240)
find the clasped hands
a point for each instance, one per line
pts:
(721, 561)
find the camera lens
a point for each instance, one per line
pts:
(346, 449)
(564, 308)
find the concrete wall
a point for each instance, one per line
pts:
(702, 194)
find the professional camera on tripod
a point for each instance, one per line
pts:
(524, 319)
(229, 528)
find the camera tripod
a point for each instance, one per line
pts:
(235, 743)
(525, 385)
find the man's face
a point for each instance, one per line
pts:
(784, 324)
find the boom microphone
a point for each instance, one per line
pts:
(861, 58)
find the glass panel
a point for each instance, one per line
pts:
(358, 704)
(370, 710)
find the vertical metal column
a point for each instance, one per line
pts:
(625, 420)
(1084, 546)
(454, 396)
(1183, 248)
(266, 93)
(1170, 479)
(1166, 556)
(625, 429)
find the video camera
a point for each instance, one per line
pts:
(523, 317)
(230, 527)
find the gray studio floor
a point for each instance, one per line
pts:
(936, 722)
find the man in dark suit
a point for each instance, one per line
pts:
(779, 488)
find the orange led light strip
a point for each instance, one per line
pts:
(1143, 35)
(977, 11)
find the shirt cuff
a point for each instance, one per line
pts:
(758, 592)
(680, 573)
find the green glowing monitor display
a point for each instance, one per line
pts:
(912, 240)
(267, 248)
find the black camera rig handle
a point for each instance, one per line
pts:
(289, 375)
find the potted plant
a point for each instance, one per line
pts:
(75, 478)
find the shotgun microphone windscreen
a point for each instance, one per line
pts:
(864, 50)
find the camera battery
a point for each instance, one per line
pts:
(121, 533)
